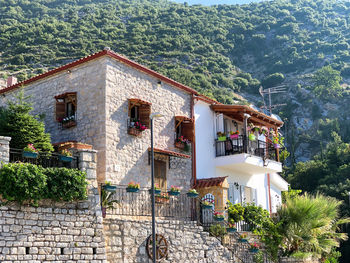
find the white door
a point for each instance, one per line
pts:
(234, 194)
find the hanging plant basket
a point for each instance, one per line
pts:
(222, 138)
(65, 159)
(132, 190)
(192, 195)
(156, 191)
(231, 229)
(243, 240)
(252, 137)
(31, 155)
(174, 193)
(254, 250)
(110, 188)
(219, 219)
(207, 206)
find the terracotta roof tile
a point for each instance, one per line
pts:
(209, 182)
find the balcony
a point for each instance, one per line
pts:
(251, 156)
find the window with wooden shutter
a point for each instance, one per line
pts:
(139, 116)
(66, 106)
(184, 127)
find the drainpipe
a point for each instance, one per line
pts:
(194, 168)
(269, 191)
(246, 116)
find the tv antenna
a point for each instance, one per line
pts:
(269, 91)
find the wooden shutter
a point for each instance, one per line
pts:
(187, 130)
(60, 109)
(160, 174)
(144, 113)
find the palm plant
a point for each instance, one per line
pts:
(107, 201)
(309, 225)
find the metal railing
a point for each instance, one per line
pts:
(44, 159)
(179, 207)
(243, 145)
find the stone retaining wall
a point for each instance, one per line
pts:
(126, 242)
(4, 149)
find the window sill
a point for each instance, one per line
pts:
(69, 124)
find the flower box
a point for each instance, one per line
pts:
(69, 124)
(31, 155)
(180, 145)
(254, 250)
(65, 159)
(231, 229)
(234, 136)
(219, 218)
(161, 199)
(192, 195)
(206, 206)
(134, 131)
(132, 190)
(110, 188)
(243, 240)
(222, 138)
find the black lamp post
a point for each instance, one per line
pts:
(152, 116)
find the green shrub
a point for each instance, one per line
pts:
(217, 230)
(235, 212)
(22, 182)
(65, 184)
(28, 182)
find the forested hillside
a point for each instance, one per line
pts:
(218, 50)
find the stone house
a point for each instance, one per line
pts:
(105, 100)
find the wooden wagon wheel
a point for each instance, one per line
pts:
(161, 247)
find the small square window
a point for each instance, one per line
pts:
(139, 116)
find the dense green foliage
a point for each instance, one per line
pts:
(235, 212)
(28, 182)
(22, 182)
(22, 127)
(65, 184)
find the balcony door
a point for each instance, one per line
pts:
(160, 174)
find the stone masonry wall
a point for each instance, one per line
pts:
(55, 232)
(4, 149)
(88, 80)
(187, 242)
(127, 155)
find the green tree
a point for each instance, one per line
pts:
(22, 127)
(327, 83)
(273, 80)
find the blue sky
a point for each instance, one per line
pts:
(216, 2)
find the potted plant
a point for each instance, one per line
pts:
(221, 136)
(192, 193)
(30, 152)
(243, 238)
(254, 248)
(109, 187)
(162, 198)
(182, 144)
(157, 189)
(136, 127)
(133, 187)
(231, 226)
(66, 156)
(234, 135)
(206, 204)
(174, 190)
(219, 216)
(252, 137)
(107, 201)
